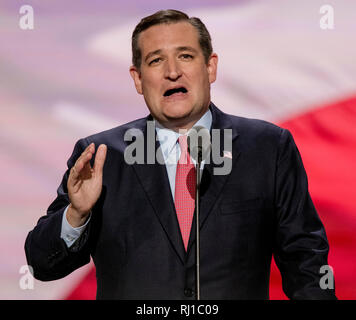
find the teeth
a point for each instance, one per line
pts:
(175, 90)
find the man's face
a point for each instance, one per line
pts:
(174, 77)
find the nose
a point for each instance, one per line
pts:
(172, 70)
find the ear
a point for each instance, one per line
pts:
(212, 67)
(136, 76)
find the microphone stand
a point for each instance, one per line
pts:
(202, 151)
(197, 220)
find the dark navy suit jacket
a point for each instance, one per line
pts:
(261, 208)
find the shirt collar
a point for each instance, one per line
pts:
(168, 138)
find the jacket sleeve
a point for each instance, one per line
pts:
(46, 252)
(301, 246)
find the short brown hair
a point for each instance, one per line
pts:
(170, 16)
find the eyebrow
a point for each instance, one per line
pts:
(187, 48)
(178, 49)
(153, 53)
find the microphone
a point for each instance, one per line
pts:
(199, 146)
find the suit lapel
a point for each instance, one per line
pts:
(155, 182)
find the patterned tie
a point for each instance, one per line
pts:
(184, 196)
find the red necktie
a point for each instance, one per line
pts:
(184, 195)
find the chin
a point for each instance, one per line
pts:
(178, 111)
(176, 116)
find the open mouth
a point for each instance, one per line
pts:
(173, 91)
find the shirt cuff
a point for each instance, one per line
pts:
(70, 234)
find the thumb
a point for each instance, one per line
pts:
(100, 159)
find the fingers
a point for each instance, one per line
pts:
(82, 161)
(100, 159)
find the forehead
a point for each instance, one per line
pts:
(168, 36)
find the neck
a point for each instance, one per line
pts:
(185, 123)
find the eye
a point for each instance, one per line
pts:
(154, 61)
(186, 56)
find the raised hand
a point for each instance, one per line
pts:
(85, 184)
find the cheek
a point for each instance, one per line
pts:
(149, 92)
(202, 82)
(150, 87)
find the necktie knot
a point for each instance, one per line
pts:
(184, 156)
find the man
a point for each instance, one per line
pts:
(136, 220)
